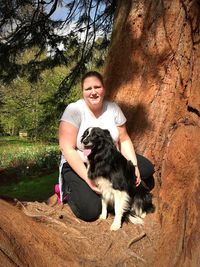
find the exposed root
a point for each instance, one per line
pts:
(46, 218)
(130, 254)
(136, 256)
(108, 248)
(136, 239)
(12, 259)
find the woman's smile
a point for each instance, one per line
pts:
(93, 92)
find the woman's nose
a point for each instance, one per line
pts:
(93, 91)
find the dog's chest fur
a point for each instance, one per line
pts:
(106, 189)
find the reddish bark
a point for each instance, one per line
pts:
(153, 72)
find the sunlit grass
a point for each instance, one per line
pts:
(22, 153)
(29, 170)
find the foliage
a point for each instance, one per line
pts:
(24, 104)
(42, 58)
(39, 78)
(33, 102)
(25, 24)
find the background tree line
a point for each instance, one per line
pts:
(152, 70)
(27, 105)
(38, 78)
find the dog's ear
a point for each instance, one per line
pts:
(107, 132)
(108, 136)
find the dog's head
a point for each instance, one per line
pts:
(95, 139)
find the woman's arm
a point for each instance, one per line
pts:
(127, 150)
(67, 142)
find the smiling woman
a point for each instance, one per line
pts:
(93, 93)
(92, 110)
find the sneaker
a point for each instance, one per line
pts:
(57, 192)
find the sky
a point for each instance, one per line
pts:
(60, 13)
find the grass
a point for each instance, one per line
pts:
(24, 166)
(15, 152)
(31, 189)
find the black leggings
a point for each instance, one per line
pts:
(83, 201)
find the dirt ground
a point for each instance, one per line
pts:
(48, 234)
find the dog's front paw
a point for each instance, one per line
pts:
(135, 219)
(103, 216)
(115, 226)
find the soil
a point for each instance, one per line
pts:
(156, 80)
(48, 234)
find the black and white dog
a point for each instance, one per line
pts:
(115, 177)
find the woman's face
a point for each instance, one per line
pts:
(93, 92)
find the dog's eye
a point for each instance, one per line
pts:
(85, 135)
(86, 132)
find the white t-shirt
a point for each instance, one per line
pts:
(79, 115)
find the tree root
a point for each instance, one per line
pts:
(136, 239)
(46, 218)
(11, 257)
(131, 253)
(108, 248)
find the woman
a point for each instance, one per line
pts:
(91, 111)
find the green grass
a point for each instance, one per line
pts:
(24, 166)
(31, 189)
(15, 152)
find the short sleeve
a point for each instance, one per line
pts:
(72, 115)
(119, 117)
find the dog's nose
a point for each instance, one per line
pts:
(85, 142)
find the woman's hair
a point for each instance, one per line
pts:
(92, 74)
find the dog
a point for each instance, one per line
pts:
(115, 177)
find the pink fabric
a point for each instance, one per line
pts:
(57, 192)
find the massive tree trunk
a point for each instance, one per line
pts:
(153, 72)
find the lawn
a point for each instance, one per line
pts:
(31, 189)
(28, 170)
(15, 152)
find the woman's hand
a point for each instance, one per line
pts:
(137, 174)
(127, 150)
(93, 186)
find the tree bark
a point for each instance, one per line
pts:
(153, 72)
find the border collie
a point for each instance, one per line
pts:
(115, 177)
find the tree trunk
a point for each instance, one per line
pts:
(153, 72)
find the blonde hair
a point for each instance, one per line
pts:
(92, 74)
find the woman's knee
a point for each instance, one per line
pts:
(145, 166)
(150, 182)
(89, 212)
